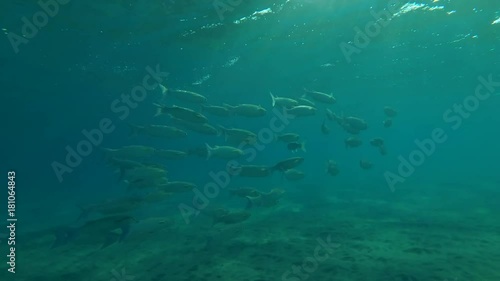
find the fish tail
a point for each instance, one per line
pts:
(159, 110)
(164, 90)
(272, 98)
(249, 203)
(221, 131)
(125, 231)
(105, 153)
(84, 213)
(134, 130)
(209, 151)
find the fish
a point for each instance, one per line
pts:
(148, 172)
(123, 165)
(169, 154)
(102, 228)
(283, 102)
(159, 131)
(215, 110)
(223, 152)
(355, 123)
(332, 168)
(253, 171)
(235, 135)
(287, 138)
(183, 95)
(295, 146)
(353, 142)
(246, 110)
(304, 101)
(181, 113)
(198, 151)
(111, 207)
(130, 151)
(331, 116)
(387, 123)
(390, 112)
(143, 183)
(377, 142)
(269, 199)
(380, 144)
(302, 111)
(288, 164)
(365, 164)
(176, 187)
(382, 150)
(244, 191)
(350, 124)
(319, 96)
(201, 128)
(324, 128)
(225, 216)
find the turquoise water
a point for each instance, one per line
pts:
(420, 213)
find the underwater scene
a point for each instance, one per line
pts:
(224, 140)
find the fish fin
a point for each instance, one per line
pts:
(249, 203)
(303, 146)
(209, 151)
(272, 98)
(129, 187)
(121, 175)
(164, 90)
(84, 213)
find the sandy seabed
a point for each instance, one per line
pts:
(410, 235)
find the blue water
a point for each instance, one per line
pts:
(429, 57)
